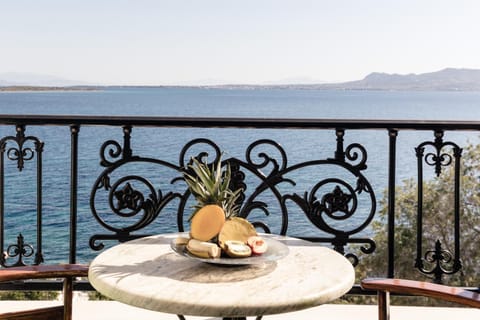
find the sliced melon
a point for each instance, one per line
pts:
(237, 249)
(207, 222)
(203, 249)
(236, 229)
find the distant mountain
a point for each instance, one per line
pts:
(449, 79)
(32, 79)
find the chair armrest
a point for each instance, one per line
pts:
(44, 272)
(425, 289)
(65, 271)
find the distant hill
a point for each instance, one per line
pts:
(17, 79)
(449, 79)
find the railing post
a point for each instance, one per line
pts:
(74, 130)
(419, 153)
(2, 204)
(340, 152)
(391, 200)
(39, 149)
(127, 150)
(457, 155)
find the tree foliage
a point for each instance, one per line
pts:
(29, 295)
(438, 224)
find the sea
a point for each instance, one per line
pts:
(300, 145)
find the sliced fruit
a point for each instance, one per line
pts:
(181, 241)
(203, 249)
(237, 249)
(236, 229)
(207, 222)
(257, 244)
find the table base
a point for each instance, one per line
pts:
(228, 318)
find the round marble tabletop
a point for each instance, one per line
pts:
(147, 273)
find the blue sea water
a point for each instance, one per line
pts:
(165, 143)
(248, 103)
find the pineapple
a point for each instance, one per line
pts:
(214, 218)
(210, 186)
(215, 201)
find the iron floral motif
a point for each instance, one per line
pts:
(20, 250)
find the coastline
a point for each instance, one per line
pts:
(448, 79)
(246, 87)
(47, 89)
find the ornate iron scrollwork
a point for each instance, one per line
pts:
(262, 177)
(21, 153)
(438, 262)
(111, 148)
(438, 158)
(111, 151)
(334, 201)
(442, 262)
(126, 201)
(21, 149)
(20, 250)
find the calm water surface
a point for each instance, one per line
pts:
(249, 103)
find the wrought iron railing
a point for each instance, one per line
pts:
(127, 201)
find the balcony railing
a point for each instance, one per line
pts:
(95, 178)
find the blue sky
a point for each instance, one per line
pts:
(202, 41)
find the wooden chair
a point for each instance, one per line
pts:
(65, 271)
(418, 288)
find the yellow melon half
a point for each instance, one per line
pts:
(236, 229)
(207, 222)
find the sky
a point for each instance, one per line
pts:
(177, 42)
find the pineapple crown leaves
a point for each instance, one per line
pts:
(210, 185)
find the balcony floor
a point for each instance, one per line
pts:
(111, 310)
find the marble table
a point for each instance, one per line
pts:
(147, 273)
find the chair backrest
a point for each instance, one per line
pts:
(67, 272)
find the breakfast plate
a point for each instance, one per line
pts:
(276, 250)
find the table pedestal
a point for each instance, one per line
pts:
(228, 318)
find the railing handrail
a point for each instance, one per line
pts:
(236, 122)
